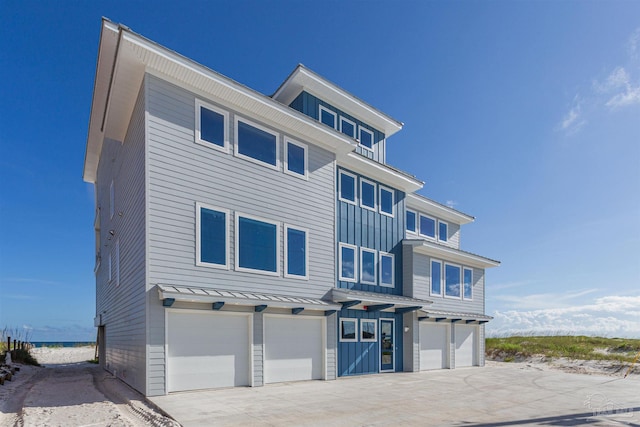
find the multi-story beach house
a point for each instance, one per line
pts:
(245, 239)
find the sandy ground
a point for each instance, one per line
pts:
(67, 391)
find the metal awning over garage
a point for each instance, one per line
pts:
(219, 297)
(452, 316)
(372, 301)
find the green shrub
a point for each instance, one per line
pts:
(24, 357)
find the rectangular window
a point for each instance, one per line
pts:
(295, 158)
(328, 117)
(211, 126)
(452, 281)
(366, 138)
(386, 269)
(212, 236)
(367, 266)
(348, 262)
(467, 280)
(368, 332)
(411, 221)
(112, 200)
(257, 243)
(347, 187)
(367, 194)
(436, 278)
(347, 127)
(348, 330)
(443, 231)
(386, 201)
(296, 248)
(256, 143)
(427, 226)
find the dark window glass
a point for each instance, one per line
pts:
(368, 331)
(436, 278)
(386, 201)
(348, 128)
(258, 245)
(295, 158)
(256, 143)
(452, 280)
(368, 194)
(468, 279)
(347, 187)
(442, 231)
(368, 267)
(366, 139)
(427, 226)
(213, 232)
(386, 270)
(348, 258)
(348, 329)
(211, 126)
(296, 252)
(411, 221)
(327, 118)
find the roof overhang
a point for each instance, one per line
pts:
(362, 299)
(208, 295)
(446, 253)
(423, 204)
(123, 59)
(427, 314)
(379, 171)
(303, 78)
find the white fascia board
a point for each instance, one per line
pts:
(450, 254)
(422, 204)
(304, 79)
(380, 172)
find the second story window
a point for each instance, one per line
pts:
(436, 278)
(295, 249)
(347, 127)
(257, 244)
(211, 126)
(212, 238)
(467, 281)
(327, 117)
(366, 138)
(347, 187)
(386, 269)
(367, 266)
(348, 262)
(452, 281)
(256, 143)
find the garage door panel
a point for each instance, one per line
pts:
(434, 344)
(466, 345)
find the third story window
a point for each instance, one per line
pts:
(442, 231)
(327, 117)
(367, 194)
(386, 201)
(256, 143)
(296, 158)
(411, 221)
(427, 226)
(366, 138)
(211, 126)
(347, 187)
(347, 127)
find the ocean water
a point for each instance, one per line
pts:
(62, 343)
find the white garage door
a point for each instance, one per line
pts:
(207, 350)
(466, 345)
(434, 345)
(293, 348)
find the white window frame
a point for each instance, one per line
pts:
(360, 130)
(355, 323)
(375, 266)
(355, 187)
(393, 269)
(306, 252)
(431, 293)
(201, 104)
(237, 244)
(393, 201)
(446, 224)
(117, 262)
(375, 330)
(112, 200)
(435, 226)
(463, 270)
(355, 262)
(236, 144)
(199, 262)
(375, 195)
(305, 148)
(416, 224)
(444, 280)
(355, 127)
(322, 108)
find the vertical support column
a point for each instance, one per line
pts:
(258, 350)
(481, 343)
(331, 364)
(452, 346)
(411, 342)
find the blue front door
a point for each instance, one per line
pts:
(387, 345)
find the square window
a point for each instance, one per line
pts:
(347, 187)
(427, 226)
(347, 127)
(348, 330)
(327, 117)
(386, 201)
(348, 262)
(257, 243)
(386, 269)
(211, 126)
(411, 221)
(295, 155)
(367, 266)
(452, 281)
(212, 236)
(368, 330)
(366, 138)
(436, 278)
(467, 280)
(367, 194)
(443, 232)
(256, 143)
(296, 249)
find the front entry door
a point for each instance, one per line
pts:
(387, 345)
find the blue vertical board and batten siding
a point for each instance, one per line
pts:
(309, 104)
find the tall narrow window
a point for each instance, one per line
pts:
(452, 281)
(296, 249)
(367, 194)
(211, 126)
(436, 278)
(347, 127)
(386, 269)
(348, 262)
(257, 245)
(256, 143)
(427, 226)
(327, 117)
(366, 138)
(411, 221)
(386, 201)
(467, 279)
(367, 266)
(347, 187)
(295, 155)
(443, 231)
(212, 236)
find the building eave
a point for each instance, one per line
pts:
(380, 172)
(446, 253)
(426, 205)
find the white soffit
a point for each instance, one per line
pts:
(445, 253)
(380, 172)
(428, 206)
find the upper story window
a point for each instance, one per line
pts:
(411, 221)
(347, 187)
(211, 126)
(257, 243)
(348, 262)
(347, 127)
(295, 158)
(367, 266)
(256, 143)
(436, 278)
(295, 249)
(386, 269)
(467, 281)
(367, 194)
(212, 236)
(452, 281)
(328, 117)
(443, 231)
(386, 201)
(427, 226)
(366, 138)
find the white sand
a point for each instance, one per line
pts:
(68, 391)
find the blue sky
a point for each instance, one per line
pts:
(524, 114)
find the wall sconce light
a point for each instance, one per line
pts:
(406, 329)
(112, 232)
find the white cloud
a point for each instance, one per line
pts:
(633, 45)
(539, 301)
(451, 203)
(619, 88)
(573, 121)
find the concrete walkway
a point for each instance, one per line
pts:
(496, 395)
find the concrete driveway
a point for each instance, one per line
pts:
(496, 395)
